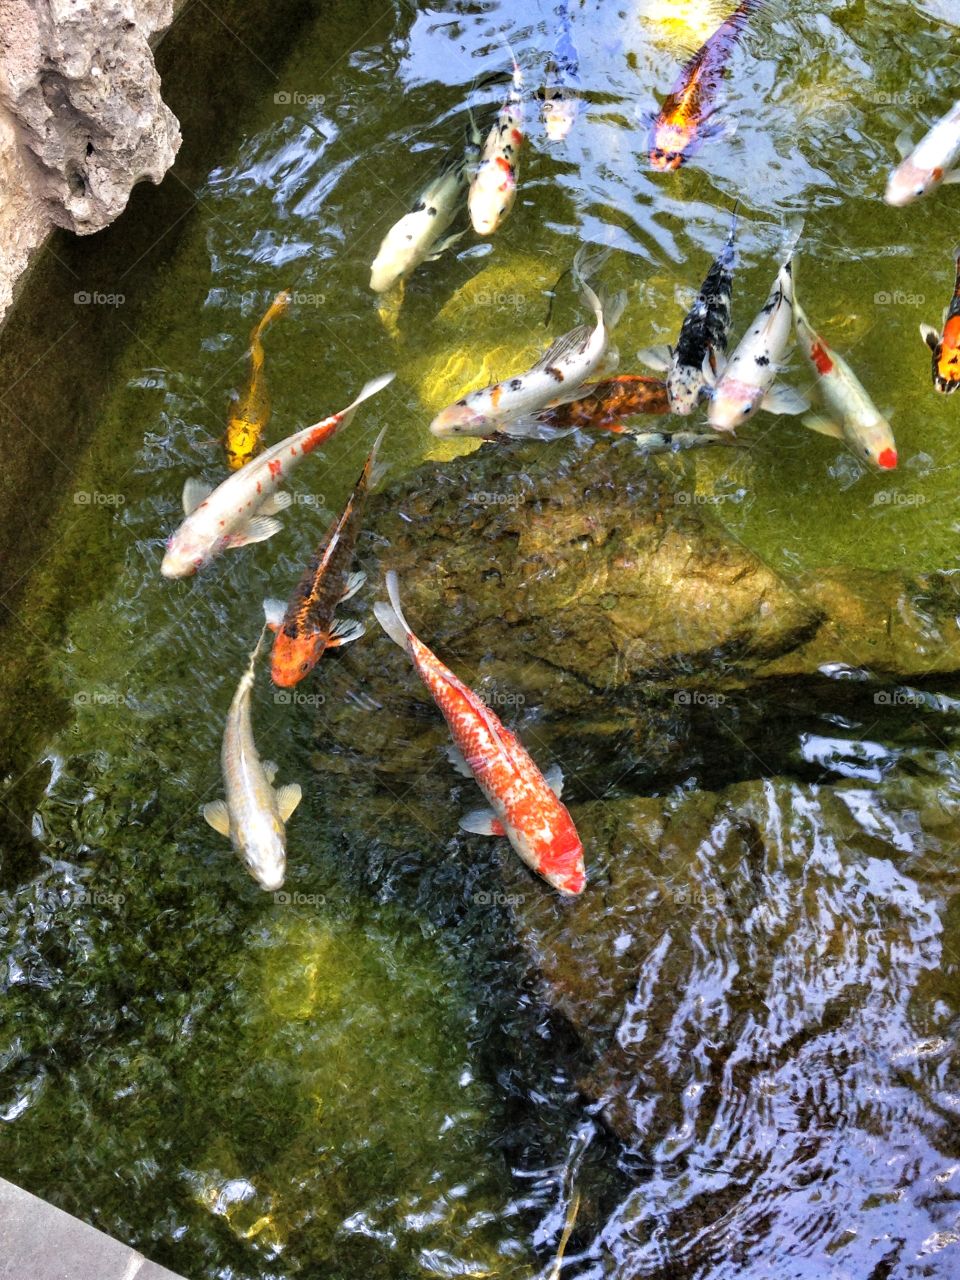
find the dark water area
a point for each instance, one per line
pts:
(735, 1054)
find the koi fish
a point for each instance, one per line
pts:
(688, 115)
(555, 378)
(850, 413)
(254, 814)
(703, 335)
(241, 510)
(929, 165)
(600, 406)
(305, 626)
(251, 410)
(946, 346)
(524, 805)
(494, 186)
(746, 383)
(559, 97)
(416, 238)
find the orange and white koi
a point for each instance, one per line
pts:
(688, 116)
(747, 382)
(946, 345)
(254, 814)
(524, 806)
(305, 627)
(555, 378)
(850, 414)
(251, 410)
(494, 186)
(929, 165)
(241, 510)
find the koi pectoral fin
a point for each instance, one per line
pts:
(259, 529)
(274, 611)
(930, 336)
(345, 631)
(353, 584)
(952, 178)
(904, 144)
(270, 770)
(278, 501)
(217, 815)
(783, 399)
(288, 798)
(445, 244)
(458, 760)
(194, 493)
(554, 780)
(823, 426)
(482, 822)
(658, 358)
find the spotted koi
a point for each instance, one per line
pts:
(688, 116)
(946, 345)
(241, 510)
(523, 805)
(494, 186)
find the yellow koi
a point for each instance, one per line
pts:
(250, 412)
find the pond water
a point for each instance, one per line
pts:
(366, 1078)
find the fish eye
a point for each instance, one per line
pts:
(304, 666)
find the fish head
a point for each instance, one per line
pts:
(558, 113)
(733, 403)
(874, 442)
(460, 420)
(669, 145)
(492, 195)
(294, 657)
(563, 863)
(266, 857)
(908, 182)
(182, 557)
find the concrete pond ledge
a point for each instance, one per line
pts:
(41, 1242)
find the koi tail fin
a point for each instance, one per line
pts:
(276, 308)
(586, 264)
(369, 389)
(793, 231)
(373, 470)
(390, 616)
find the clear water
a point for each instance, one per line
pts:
(342, 1085)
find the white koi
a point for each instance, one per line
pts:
(241, 510)
(254, 814)
(556, 377)
(929, 165)
(850, 414)
(416, 238)
(494, 186)
(748, 380)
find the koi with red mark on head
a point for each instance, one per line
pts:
(688, 115)
(494, 186)
(523, 805)
(305, 626)
(251, 413)
(946, 346)
(846, 411)
(241, 510)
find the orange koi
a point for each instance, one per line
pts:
(305, 627)
(525, 806)
(687, 117)
(946, 346)
(250, 412)
(604, 405)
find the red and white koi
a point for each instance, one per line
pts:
(554, 379)
(494, 186)
(254, 814)
(850, 414)
(929, 165)
(689, 113)
(416, 238)
(748, 380)
(946, 345)
(523, 805)
(242, 509)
